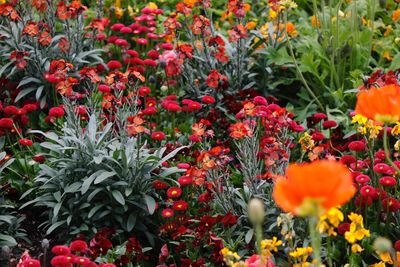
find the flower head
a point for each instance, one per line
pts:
(314, 187)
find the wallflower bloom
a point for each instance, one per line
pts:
(314, 187)
(380, 104)
(174, 192)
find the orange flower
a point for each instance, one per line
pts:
(313, 188)
(396, 15)
(380, 104)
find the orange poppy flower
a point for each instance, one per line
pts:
(313, 188)
(380, 104)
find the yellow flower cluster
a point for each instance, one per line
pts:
(330, 221)
(306, 142)
(300, 257)
(270, 245)
(230, 257)
(356, 232)
(366, 126)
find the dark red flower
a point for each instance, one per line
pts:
(114, 64)
(6, 123)
(329, 124)
(180, 205)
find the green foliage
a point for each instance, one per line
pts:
(93, 179)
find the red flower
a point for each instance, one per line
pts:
(104, 88)
(213, 79)
(143, 91)
(207, 99)
(114, 64)
(185, 180)
(61, 260)
(157, 136)
(174, 192)
(367, 191)
(31, 263)
(329, 124)
(25, 142)
(388, 181)
(40, 159)
(6, 123)
(157, 184)
(357, 146)
(391, 204)
(180, 205)
(362, 179)
(397, 245)
(60, 250)
(382, 168)
(81, 260)
(78, 246)
(56, 112)
(167, 213)
(319, 116)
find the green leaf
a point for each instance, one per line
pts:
(151, 203)
(6, 240)
(249, 236)
(54, 226)
(118, 197)
(131, 222)
(102, 177)
(94, 210)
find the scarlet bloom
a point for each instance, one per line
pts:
(174, 192)
(56, 112)
(158, 136)
(207, 99)
(167, 213)
(323, 183)
(78, 246)
(388, 181)
(380, 104)
(25, 142)
(31, 263)
(61, 260)
(60, 250)
(180, 205)
(357, 146)
(6, 123)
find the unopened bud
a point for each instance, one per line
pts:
(45, 243)
(382, 244)
(256, 211)
(164, 88)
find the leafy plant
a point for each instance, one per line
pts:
(93, 179)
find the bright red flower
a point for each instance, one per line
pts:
(56, 112)
(25, 142)
(31, 263)
(180, 205)
(388, 181)
(174, 192)
(61, 260)
(60, 250)
(78, 246)
(167, 213)
(158, 136)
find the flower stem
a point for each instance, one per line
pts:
(315, 239)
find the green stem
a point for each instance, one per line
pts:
(315, 239)
(298, 68)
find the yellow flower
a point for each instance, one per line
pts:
(300, 252)
(385, 257)
(329, 221)
(397, 145)
(356, 248)
(359, 119)
(357, 231)
(396, 129)
(119, 12)
(306, 142)
(152, 5)
(387, 56)
(270, 245)
(379, 264)
(272, 14)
